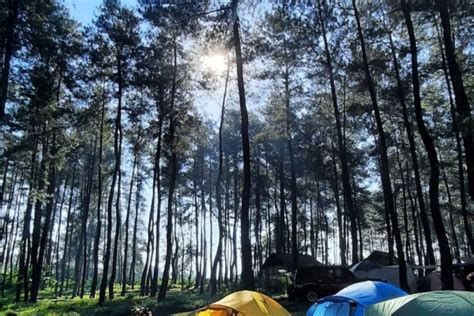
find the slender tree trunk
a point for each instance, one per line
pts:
(85, 218)
(66, 237)
(127, 220)
(450, 212)
(342, 241)
(414, 159)
(445, 252)
(25, 237)
(99, 201)
(118, 222)
(385, 172)
(135, 227)
(462, 102)
(247, 273)
(218, 257)
(110, 202)
(13, 12)
(58, 237)
(154, 281)
(38, 264)
(173, 175)
(462, 189)
(346, 186)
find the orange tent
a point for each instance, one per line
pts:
(244, 303)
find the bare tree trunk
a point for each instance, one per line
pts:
(445, 252)
(346, 186)
(135, 228)
(414, 159)
(173, 175)
(8, 41)
(218, 257)
(99, 200)
(127, 220)
(85, 218)
(247, 272)
(385, 172)
(462, 102)
(462, 189)
(110, 202)
(154, 280)
(38, 264)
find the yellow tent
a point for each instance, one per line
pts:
(244, 303)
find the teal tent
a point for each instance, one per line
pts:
(437, 303)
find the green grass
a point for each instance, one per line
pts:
(176, 303)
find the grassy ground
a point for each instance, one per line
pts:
(176, 303)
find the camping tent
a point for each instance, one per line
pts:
(437, 303)
(371, 270)
(244, 303)
(353, 299)
(432, 282)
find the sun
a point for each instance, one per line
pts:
(215, 62)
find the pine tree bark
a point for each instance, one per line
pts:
(127, 220)
(414, 159)
(8, 41)
(99, 201)
(154, 281)
(68, 223)
(85, 218)
(462, 102)
(118, 162)
(457, 136)
(110, 202)
(346, 186)
(22, 281)
(445, 251)
(385, 172)
(247, 272)
(218, 256)
(38, 264)
(173, 175)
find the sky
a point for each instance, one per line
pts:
(84, 10)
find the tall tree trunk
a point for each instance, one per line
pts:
(127, 220)
(450, 210)
(218, 257)
(173, 175)
(154, 281)
(85, 218)
(22, 280)
(38, 264)
(346, 186)
(68, 222)
(414, 158)
(110, 202)
(462, 102)
(462, 188)
(289, 142)
(385, 172)
(342, 241)
(99, 201)
(118, 161)
(247, 273)
(445, 252)
(58, 237)
(135, 227)
(8, 41)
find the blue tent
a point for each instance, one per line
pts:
(352, 300)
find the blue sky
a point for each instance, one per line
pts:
(84, 10)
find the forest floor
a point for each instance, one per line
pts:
(176, 303)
